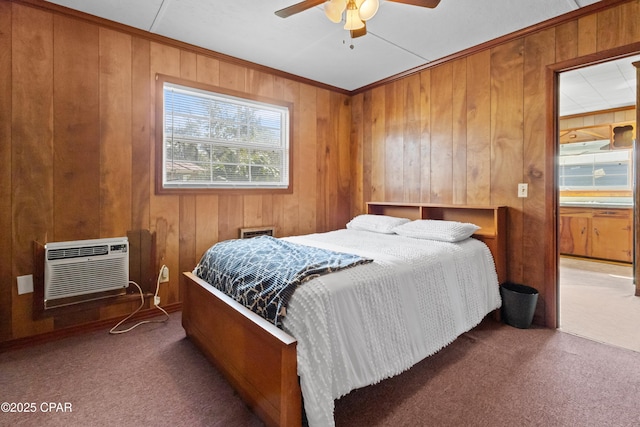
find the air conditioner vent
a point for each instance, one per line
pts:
(67, 253)
(247, 233)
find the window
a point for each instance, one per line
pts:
(217, 139)
(608, 170)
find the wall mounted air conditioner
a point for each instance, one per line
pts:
(85, 270)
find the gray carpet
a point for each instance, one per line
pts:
(495, 375)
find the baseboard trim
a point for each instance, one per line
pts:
(18, 343)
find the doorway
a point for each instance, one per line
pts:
(596, 172)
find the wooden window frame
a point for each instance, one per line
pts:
(159, 140)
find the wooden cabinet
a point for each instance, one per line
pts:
(575, 226)
(597, 233)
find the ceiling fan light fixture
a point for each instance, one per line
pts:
(333, 10)
(368, 9)
(352, 19)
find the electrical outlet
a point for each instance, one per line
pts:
(25, 284)
(164, 274)
(523, 190)
(156, 300)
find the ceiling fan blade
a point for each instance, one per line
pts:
(298, 7)
(359, 33)
(422, 3)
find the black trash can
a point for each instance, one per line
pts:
(518, 304)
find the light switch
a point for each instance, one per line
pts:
(25, 284)
(523, 189)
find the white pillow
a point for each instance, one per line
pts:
(433, 229)
(377, 223)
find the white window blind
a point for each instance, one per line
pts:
(214, 140)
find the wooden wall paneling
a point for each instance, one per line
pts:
(208, 70)
(206, 224)
(280, 87)
(587, 32)
(76, 129)
(574, 122)
(188, 65)
(459, 132)
(164, 211)
(367, 153)
(591, 120)
(206, 206)
(479, 128)
(411, 139)
(337, 172)
(326, 193)
(631, 114)
(537, 216)
(619, 116)
(288, 222)
(258, 208)
(507, 143)
(307, 167)
(231, 207)
(115, 311)
(187, 209)
(259, 83)
(341, 213)
(6, 278)
(636, 194)
(628, 115)
(31, 153)
(442, 134)
(425, 136)
(567, 41)
(188, 256)
(253, 211)
(270, 208)
(232, 76)
(618, 26)
(604, 117)
(230, 216)
(275, 203)
(393, 142)
(378, 132)
(77, 317)
(141, 136)
(115, 133)
(357, 155)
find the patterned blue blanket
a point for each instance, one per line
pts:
(263, 272)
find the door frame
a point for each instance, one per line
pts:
(636, 195)
(552, 256)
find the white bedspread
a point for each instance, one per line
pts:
(361, 325)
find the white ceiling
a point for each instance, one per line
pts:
(598, 87)
(400, 37)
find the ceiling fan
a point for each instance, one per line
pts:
(358, 12)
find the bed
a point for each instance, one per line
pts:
(352, 336)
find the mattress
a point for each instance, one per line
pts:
(359, 326)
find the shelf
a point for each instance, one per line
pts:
(492, 221)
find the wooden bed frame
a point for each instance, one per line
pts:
(259, 359)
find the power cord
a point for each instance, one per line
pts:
(155, 303)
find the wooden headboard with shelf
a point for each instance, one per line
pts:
(492, 221)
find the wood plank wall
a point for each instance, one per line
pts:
(77, 120)
(469, 130)
(598, 118)
(76, 145)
